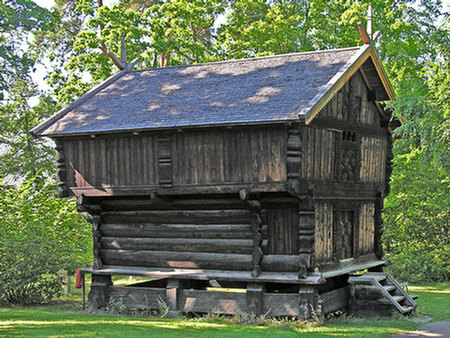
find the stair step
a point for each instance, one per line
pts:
(414, 296)
(389, 288)
(398, 299)
(407, 309)
(377, 276)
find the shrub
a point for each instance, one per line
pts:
(420, 266)
(40, 235)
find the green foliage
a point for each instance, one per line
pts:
(416, 218)
(40, 234)
(18, 18)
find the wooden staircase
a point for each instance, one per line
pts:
(378, 294)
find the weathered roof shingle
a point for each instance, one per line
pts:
(259, 90)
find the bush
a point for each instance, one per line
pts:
(40, 234)
(43, 290)
(421, 266)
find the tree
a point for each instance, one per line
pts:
(39, 234)
(18, 18)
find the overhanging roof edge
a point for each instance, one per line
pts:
(37, 131)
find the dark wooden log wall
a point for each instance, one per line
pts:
(241, 155)
(216, 233)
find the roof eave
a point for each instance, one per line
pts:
(40, 128)
(179, 128)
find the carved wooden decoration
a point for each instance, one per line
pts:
(343, 234)
(346, 156)
(306, 228)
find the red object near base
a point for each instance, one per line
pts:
(80, 279)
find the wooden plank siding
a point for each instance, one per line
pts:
(373, 160)
(323, 241)
(282, 231)
(241, 155)
(318, 153)
(351, 104)
(366, 228)
(234, 155)
(112, 161)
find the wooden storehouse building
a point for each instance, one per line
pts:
(264, 176)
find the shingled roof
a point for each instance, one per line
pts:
(249, 91)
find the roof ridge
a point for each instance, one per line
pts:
(248, 59)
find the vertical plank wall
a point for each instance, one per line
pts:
(240, 155)
(232, 155)
(373, 160)
(112, 161)
(366, 228)
(323, 237)
(351, 104)
(318, 153)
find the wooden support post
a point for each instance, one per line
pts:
(306, 229)
(294, 159)
(98, 296)
(255, 296)
(378, 247)
(259, 227)
(389, 166)
(91, 212)
(308, 302)
(172, 297)
(352, 299)
(63, 191)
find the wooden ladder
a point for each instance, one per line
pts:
(376, 292)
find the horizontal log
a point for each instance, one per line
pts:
(213, 302)
(150, 230)
(138, 297)
(281, 304)
(280, 263)
(170, 259)
(334, 300)
(237, 246)
(168, 203)
(176, 190)
(178, 216)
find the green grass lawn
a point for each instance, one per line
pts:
(65, 319)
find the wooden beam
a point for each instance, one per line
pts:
(364, 35)
(209, 274)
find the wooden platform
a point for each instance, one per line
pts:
(197, 274)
